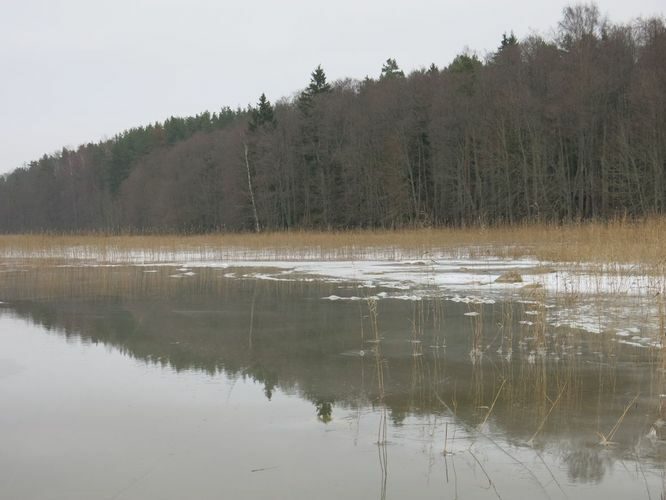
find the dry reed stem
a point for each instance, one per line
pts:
(543, 422)
(490, 410)
(607, 440)
(483, 469)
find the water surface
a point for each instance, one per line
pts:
(122, 383)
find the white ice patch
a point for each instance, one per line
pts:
(406, 297)
(356, 298)
(628, 342)
(471, 299)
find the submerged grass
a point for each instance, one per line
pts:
(621, 241)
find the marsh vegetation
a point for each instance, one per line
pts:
(640, 242)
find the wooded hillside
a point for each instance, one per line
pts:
(560, 129)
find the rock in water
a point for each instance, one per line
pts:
(509, 277)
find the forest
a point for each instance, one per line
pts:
(563, 128)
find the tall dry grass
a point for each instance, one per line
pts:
(620, 241)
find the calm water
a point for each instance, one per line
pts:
(116, 383)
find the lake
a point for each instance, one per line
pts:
(140, 382)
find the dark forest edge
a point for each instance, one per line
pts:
(542, 130)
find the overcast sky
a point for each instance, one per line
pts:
(76, 71)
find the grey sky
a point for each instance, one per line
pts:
(75, 71)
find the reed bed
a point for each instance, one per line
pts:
(621, 241)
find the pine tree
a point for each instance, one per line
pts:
(464, 63)
(508, 41)
(390, 70)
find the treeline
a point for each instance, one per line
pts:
(560, 129)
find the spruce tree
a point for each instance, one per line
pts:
(318, 85)
(262, 115)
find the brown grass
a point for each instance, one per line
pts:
(642, 242)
